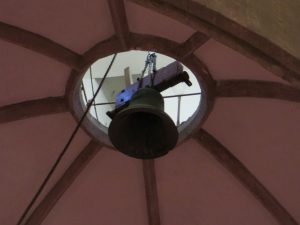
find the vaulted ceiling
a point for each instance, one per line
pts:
(239, 167)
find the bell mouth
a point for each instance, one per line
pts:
(143, 132)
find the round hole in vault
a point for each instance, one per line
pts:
(185, 105)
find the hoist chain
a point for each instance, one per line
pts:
(150, 63)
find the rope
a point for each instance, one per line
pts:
(41, 188)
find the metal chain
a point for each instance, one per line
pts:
(150, 63)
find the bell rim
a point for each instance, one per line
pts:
(142, 108)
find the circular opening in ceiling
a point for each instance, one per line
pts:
(181, 101)
(184, 104)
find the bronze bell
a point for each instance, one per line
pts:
(143, 130)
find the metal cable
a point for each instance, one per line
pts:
(89, 105)
(143, 73)
(190, 94)
(150, 63)
(84, 93)
(92, 84)
(153, 74)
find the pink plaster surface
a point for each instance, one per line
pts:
(226, 63)
(75, 24)
(195, 189)
(26, 75)
(146, 21)
(109, 191)
(264, 135)
(28, 149)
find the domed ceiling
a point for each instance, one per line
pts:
(240, 166)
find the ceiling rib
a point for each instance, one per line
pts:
(32, 108)
(38, 43)
(135, 41)
(192, 44)
(226, 31)
(119, 18)
(100, 50)
(245, 177)
(151, 192)
(154, 43)
(257, 89)
(61, 186)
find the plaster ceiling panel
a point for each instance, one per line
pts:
(264, 135)
(28, 150)
(145, 21)
(225, 63)
(195, 189)
(274, 20)
(110, 191)
(75, 24)
(26, 75)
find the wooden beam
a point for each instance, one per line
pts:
(192, 44)
(40, 44)
(151, 192)
(230, 33)
(62, 185)
(256, 89)
(244, 176)
(32, 108)
(127, 76)
(119, 18)
(207, 83)
(202, 72)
